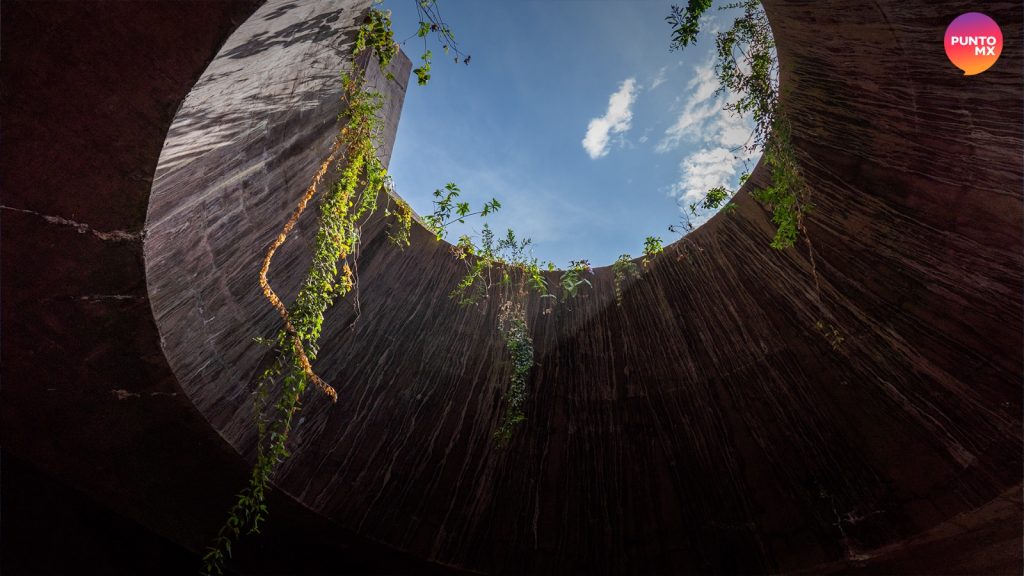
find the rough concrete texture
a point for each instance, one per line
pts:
(704, 426)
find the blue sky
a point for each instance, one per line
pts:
(573, 114)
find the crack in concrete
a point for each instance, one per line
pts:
(102, 297)
(112, 236)
(98, 298)
(123, 394)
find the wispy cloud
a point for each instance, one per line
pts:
(658, 80)
(700, 107)
(703, 170)
(616, 120)
(722, 135)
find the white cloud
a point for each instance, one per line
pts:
(703, 170)
(704, 83)
(616, 120)
(731, 131)
(700, 107)
(658, 80)
(723, 137)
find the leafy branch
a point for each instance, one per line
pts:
(652, 247)
(447, 201)
(431, 22)
(686, 23)
(503, 266)
(573, 278)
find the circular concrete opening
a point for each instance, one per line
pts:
(705, 425)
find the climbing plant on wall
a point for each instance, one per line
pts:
(361, 179)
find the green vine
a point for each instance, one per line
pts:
(376, 34)
(624, 270)
(786, 196)
(281, 387)
(519, 345)
(354, 196)
(492, 264)
(686, 23)
(652, 247)
(502, 266)
(400, 228)
(431, 22)
(573, 278)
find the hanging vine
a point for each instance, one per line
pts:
(432, 23)
(400, 227)
(502, 268)
(281, 387)
(519, 345)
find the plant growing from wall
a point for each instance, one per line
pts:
(519, 345)
(652, 247)
(503, 267)
(400, 226)
(574, 277)
(376, 34)
(624, 270)
(500, 268)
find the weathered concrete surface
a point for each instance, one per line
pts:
(705, 426)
